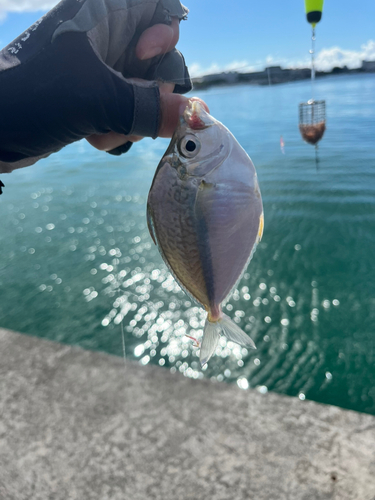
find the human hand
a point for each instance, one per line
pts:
(124, 50)
(172, 106)
(154, 41)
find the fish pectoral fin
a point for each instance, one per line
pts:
(203, 190)
(150, 224)
(205, 185)
(211, 336)
(234, 333)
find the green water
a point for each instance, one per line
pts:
(77, 261)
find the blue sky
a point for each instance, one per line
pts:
(246, 34)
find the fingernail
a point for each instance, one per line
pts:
(152, 52)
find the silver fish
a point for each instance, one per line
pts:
(205, 214)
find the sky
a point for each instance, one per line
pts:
(247, 35)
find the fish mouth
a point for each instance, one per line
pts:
(196, 117)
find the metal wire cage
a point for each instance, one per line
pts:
(312, 120)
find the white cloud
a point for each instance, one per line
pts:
(25, 6)
(329, 58)
(325, 60)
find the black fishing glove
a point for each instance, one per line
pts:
(69, 76)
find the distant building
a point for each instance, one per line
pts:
(368, 66)
(272, 75)
(276, 74)
(300, 73)
(337, 70)
(217, 79)
(274, 70)
(258, 77)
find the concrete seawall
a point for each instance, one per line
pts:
(82, 425)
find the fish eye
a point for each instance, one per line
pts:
(189, 146)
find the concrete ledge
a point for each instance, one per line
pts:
(81, 425)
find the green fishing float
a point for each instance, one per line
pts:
(314, 11)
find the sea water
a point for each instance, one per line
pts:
(77, 263)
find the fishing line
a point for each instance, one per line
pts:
(119, 291)
(312, 52)
(122, 319)
(123, 341)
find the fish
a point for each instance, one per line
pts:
(205, 214)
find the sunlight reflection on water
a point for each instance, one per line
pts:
(77, 261)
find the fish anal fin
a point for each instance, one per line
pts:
(150, 224)
(211, 337)
(261, 227)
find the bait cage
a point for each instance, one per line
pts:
(312, 120)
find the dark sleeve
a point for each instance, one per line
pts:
(67, 77)
(65, 94)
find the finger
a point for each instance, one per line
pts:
(166, 88)
(159, 39)
(112, 140)
(172, 107)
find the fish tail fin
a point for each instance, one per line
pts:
(211, 336)
(234, 333)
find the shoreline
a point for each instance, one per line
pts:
(275, 76)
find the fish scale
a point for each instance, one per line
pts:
(178, 233)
